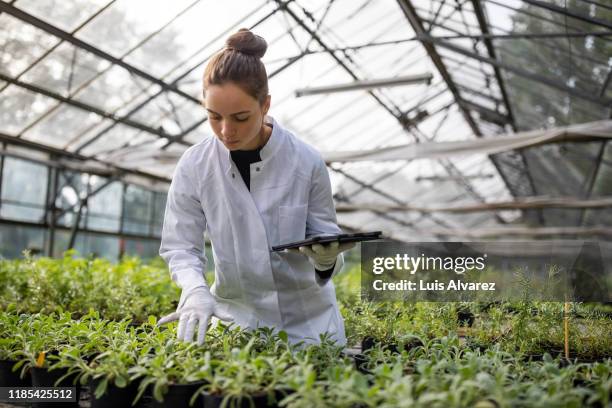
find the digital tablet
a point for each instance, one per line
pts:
(326, 239)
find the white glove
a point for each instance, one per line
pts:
(323, 257)
(199, 307)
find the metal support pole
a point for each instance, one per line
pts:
(2, 172)
(75, 225)
(121, 215)
(51, 209)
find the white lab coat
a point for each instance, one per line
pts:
(290, 199)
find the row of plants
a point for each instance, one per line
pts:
(89, 322)
(128, 288)
(131, 289)
(526, 327)
(531, 329)
(122, 362)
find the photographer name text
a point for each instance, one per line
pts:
(421, 285)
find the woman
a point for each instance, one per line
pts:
(253, 186)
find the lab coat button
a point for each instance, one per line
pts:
(233, 175)
(257, 169)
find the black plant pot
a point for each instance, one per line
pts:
(465, 318)
(253, 401)
(114, 396)
(42, 377)
(413, 343)
(369, 342)
(281, 393)
(179, 395)
(10, 378)
(361, 363)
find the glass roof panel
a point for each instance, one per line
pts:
(174, 41)
(113, 89)
(65, 70)
(59, 126)
(117, 136)
(20, 45)
(123, 25)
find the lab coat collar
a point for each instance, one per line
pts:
(274, 141)
(269, 149)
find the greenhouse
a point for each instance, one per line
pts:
(306, 203)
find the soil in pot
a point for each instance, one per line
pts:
(42, 377)
(10, 378)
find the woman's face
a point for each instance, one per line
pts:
(235, 116)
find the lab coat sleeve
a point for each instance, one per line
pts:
(322, 213)
(182, 243)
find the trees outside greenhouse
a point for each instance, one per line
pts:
(474, 135)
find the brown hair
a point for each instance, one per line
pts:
(240, 62)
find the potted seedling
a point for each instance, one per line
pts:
(10, 374)
(42, 338)
(171, 372)
(108, 379)
(243, 378)
(108, 373)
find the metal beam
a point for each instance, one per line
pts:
(526, 36)
(417, 26)
(50, 220)
(2, 172)
(454, 178)
(86, 230)
(605, 84)
(517, 204)
(487, 114)
(75, 226)
(484, 27)
(64, 35)
(488, 36)
(477, 233)
(588, 188)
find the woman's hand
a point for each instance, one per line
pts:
(199, 307)
(323, 257)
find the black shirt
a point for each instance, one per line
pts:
(243, 160)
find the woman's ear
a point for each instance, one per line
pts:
(266, 105)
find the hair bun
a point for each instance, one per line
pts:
(246, 42)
